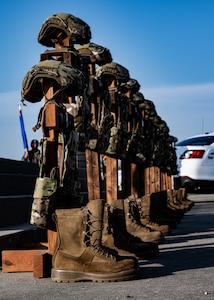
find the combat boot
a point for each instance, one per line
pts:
(80, 255)
(166, 210)
(116, 236)
(134, 225)
(188, 202)
(179, 199)
(158, 214)
(144, 208)
(174, 201)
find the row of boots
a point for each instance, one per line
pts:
(103, 242)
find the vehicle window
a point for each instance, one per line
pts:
(201, 141)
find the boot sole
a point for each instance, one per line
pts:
(75, 276)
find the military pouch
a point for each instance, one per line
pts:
(104, 133)
(92, 138)
(43, 203)
(135, 149)
(113, 141)
(100, 135)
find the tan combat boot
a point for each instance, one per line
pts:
(173, 201)
(175, 213)
(158, 212)
(134, 225)
(80, 255)
(178, 199)
(117, 237)
(184, 200)
(144, 208)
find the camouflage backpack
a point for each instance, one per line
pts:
(68, 25)
(64, 76)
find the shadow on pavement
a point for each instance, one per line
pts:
(190, 246)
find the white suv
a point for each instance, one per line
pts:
(195, 156)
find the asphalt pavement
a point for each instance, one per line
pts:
(183, 270)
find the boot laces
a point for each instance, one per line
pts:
(104, 251)
(119, 232)
(118, 227)
(134, 211)
(96, 242)
(134, 214)
(153, 223)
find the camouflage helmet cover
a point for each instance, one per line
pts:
(71, 26)
(138, 97)
(66, 77)
(148, 105)
(98, 54)
(113, 69)
(131, 84)
(172, 139)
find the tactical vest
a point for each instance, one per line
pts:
(136, 142)
(99, 133)
(53, 192)
(119, 132)
(94, 126)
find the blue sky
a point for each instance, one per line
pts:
(167, 45)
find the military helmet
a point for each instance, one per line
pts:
(157, 121)
(138, 98)
(65, 76)
(171, 139)
(98, 54)
(147, 105)
(163, 126)
(73, 27)
(34, 141)
(113, 69)
(131, 84)
(160, 123)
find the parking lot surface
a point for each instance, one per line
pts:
(183, 270)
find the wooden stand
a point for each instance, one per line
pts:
(111, 179)
(135, 181)
(93, 174)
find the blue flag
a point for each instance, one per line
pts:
(24, 136)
